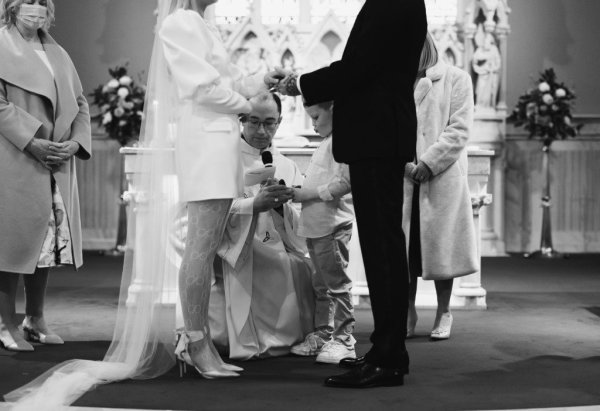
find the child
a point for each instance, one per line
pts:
(326, 222)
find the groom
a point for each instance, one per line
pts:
(374, 132)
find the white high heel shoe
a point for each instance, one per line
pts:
(183, 339)
(442, 331)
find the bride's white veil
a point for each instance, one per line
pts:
(142, 345)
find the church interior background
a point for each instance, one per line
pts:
(503, 45)
(500, 43)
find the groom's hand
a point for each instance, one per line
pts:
(289, 85)
(273, 78)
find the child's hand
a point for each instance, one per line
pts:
(270, 197)
(297, 196)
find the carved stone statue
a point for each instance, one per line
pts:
(486, 64)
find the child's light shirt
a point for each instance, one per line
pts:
(334, 209)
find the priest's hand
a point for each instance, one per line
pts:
(271, 196)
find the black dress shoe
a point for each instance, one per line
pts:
(352, 362)
(367, 376)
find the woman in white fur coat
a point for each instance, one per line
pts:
(437, 216)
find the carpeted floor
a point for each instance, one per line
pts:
(538, 345)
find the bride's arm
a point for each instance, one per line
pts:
(186, 43)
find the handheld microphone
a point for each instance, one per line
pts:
(267, 158)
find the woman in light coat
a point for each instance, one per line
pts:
(44, 123)
(437, 215)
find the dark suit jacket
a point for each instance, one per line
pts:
(374, 113)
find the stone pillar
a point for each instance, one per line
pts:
(135, 205)
(305, 11)
(468, 292)
(501, 35)
(477, 18)
(256, 11)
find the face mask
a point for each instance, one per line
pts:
(33, 16)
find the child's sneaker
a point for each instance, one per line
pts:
(311, 345)
(333, 351)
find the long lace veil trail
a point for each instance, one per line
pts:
(142, 345)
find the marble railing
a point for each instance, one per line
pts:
(468, 292)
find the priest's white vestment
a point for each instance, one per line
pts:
(262, 300)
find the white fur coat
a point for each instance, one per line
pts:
(444, 100)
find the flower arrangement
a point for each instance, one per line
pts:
(121, 103)
(545, 111)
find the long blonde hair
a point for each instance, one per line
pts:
(10, 8)
(429, 54)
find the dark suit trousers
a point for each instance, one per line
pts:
(377, 192)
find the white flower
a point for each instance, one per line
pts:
(114, 83)
(122, 123)
(127, 105)
(554, 107)
(560, 93)
(140, 114)
(544, 87)
(107, 118)
(125, 81)
(119, 112)
(123, 92)
(543, 108)
(567, 121)
(547, 98)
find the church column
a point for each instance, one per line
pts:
(256, 11)
(501, 35)
(305, 11)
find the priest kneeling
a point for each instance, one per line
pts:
(262, 300)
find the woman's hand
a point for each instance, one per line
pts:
(41, 150)
(271, 196)
(421, 173)
(61, 153)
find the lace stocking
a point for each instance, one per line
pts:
(206, 223)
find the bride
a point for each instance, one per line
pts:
(193, 99)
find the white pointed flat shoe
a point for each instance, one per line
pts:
(442, 331)
(33, 334)
(21, 346)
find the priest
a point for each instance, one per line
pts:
(262, 301)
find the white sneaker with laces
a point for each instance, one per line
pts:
(311, 345)
(333, 351)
